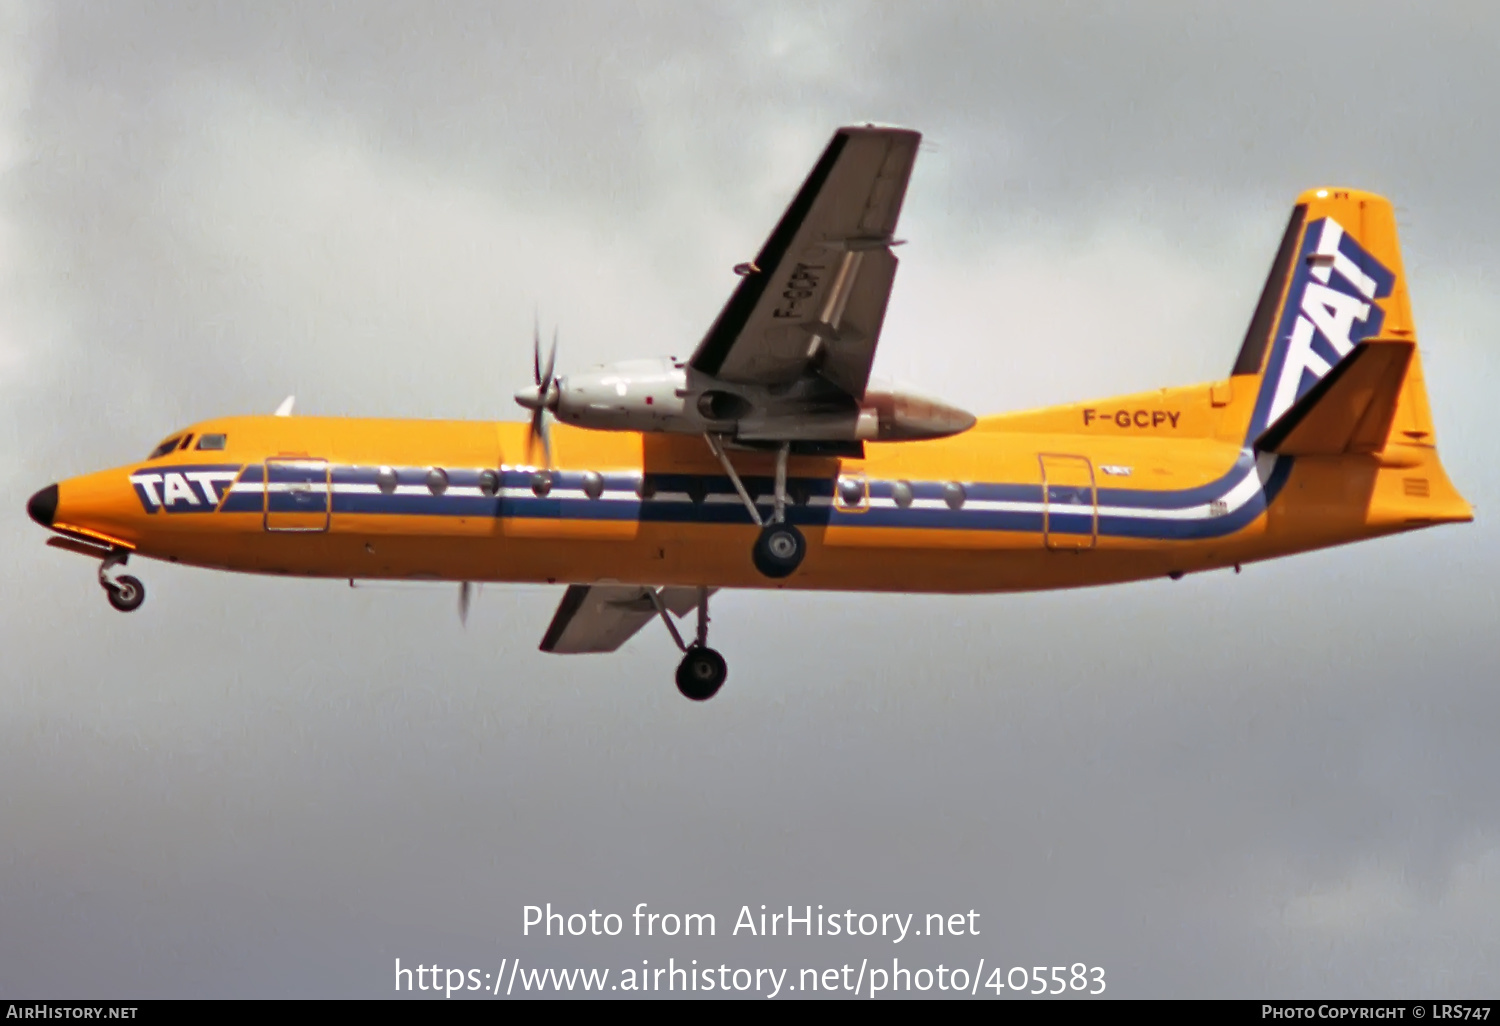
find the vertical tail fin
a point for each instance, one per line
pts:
(1332, 361)
(1337, 283)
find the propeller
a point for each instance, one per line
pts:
(543, 396)
(465, 597)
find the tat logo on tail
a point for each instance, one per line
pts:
(1328, 311)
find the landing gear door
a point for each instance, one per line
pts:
(1070, 503)
(297, 495)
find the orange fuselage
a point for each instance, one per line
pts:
(1092, 493)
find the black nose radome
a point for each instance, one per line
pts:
(43, 505)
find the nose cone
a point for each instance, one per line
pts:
(43, 505)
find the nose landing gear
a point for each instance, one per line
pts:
(125, 593)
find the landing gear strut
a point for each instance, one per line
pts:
(702, 670)
(779, 550)
(125, 593)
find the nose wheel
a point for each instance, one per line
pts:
(125, 593)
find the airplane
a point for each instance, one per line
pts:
(769, 459)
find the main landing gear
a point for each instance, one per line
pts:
(701, 673)
(702, 670)
(779, 550)
(125, 593)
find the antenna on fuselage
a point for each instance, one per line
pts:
(285, 409)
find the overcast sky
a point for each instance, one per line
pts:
(1273, 784)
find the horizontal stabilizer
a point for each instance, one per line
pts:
(1350, 410)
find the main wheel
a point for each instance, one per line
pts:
(779, 550)
(125, 593)
(701, 673)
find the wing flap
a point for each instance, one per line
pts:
(602, 617)
(1350, 410)
(845, 358)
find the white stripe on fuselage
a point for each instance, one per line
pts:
(1235, 497)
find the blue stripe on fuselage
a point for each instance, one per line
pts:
(717, 502)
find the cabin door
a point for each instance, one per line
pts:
(298, 494)
(1070, 503)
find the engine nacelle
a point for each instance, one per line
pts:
(633, 395)
(891, 415)
(885, 415)
(719, 406)
(662, 395)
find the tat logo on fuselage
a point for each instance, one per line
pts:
(1329, 311)
(183, 489)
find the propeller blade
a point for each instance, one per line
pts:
(465, 591)
(544, 383)
(536, 352)
(545, 396)
(540, 432)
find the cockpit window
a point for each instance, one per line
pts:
(165, 447)
(186, 439)
(215, 442)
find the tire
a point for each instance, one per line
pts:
(701, 673)
(126, 593)
(779, 550)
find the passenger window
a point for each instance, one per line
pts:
(215, 442)
(165, 447)
(852, 495)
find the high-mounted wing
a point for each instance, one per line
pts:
(602, 617)
(815, 297)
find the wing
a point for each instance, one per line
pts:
(815, 297)
(602, 617)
